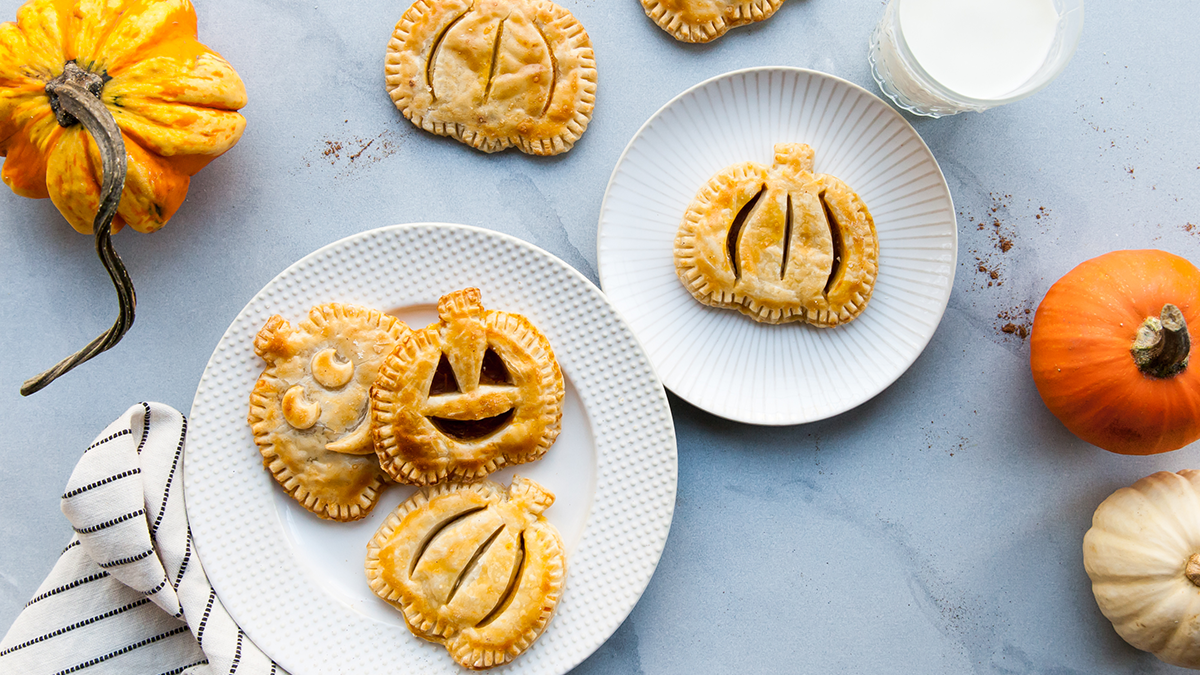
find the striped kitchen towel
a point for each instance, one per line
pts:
(128, 594)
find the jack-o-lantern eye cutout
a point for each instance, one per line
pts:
(494, 73)
(476, 391)
(309, 410)
(779, 243)
(474, 567)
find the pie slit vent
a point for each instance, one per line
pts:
(466, 396)
(473, 567)
(494, 74)
(706, 20)
(779, 243)
(310, 408)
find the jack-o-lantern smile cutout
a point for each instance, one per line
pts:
(309, 409)
(779, 243)
(476, 391)
(494, 73)
(473, 567)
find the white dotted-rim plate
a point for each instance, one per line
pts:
(729, 364)
(295, 583)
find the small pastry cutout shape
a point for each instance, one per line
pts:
(466, 396)
(309, 410)
(471, 567)
(706, 20)
(494, 73)
(779, 243)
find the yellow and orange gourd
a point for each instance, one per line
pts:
(108, 107)
(174, 100)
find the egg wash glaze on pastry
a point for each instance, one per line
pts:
(309, 409)
(779, 243)
(494, 73)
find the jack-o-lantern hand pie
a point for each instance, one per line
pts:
(494, 73)
(309, 410)
(463, 397)
(779, 243)
(473, 567)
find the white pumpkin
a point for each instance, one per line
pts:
(1143, 556)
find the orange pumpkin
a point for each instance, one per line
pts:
(173, 99)
(1110, 347)
(108, 107)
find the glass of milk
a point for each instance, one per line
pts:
(943, 57)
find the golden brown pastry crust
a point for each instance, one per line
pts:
(494, 73)
(706, 20)
(472, 567)
(738, 248)
(309, 409)
(479, 424)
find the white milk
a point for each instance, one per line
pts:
(981, 49)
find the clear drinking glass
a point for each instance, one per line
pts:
(900, 75)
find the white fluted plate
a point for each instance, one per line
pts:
(295, 583)
(727, 363)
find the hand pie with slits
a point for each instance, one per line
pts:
(494, 73)
(463, 397)
(779, 243)
(309, 410)
(705, 20)
(472, 567)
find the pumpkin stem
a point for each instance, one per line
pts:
(1192, 571)
(1162, 344)
(75, 99)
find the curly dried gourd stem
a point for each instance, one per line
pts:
(75, 99)
(1162, 344)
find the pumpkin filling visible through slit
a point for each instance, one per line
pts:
(735, 231)
(444, 381)
(433, 533)
(494, 370)
(470, 394)
(835, 235)
(475, 567)
(431, 63)
(472, 563)
(807, 252)
(488, 73)
(514, 582)
(469, 430)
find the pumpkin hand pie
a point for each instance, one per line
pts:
(779, 243)
(476, 391)
(309, 409)
(494, 73)
(473, 567)
(706, 20)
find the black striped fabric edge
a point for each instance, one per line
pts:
(187, 557)
(125, 561)
(212, 596)
(78, 624)
(237, 653)
(161, 585)
(91, 486)
(123, 650)
(170, 479)
(66, 587)
(90, 529)
(123, 432)
(180, 669)
(145, 428)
